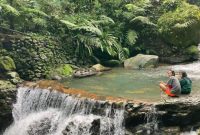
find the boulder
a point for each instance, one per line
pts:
(84, 72)
(100, 68)
(62, 71)
(112, 63)
(5, 85)
(7, 64)
(14, 77)
(141, 61)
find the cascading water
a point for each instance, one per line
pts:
(45, 112)
(151, 118)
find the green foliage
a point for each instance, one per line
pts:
(181, 27)
(9, 10)
(141, 20)
(68, 24)
(115, 28)
(64, 70)
(192, 50)
(7, 64)
(131, 37)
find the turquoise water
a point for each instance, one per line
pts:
(133, 84)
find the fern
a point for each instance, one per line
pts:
(89, 29)
(123, 54)
(184, 25)
(134, 8)
(9, 10)
(142, 20)
(106, 19)
(39, 22)
(131, 37)
(33, 12)
(68, 24)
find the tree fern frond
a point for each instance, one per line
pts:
(131, 37)
(134, 8)
(9, 10)
(123, 54)
(40, 22)
(33, 12)
(184, 25)
(107, 19)
(68, 24)
(142, 20)
(89, 29)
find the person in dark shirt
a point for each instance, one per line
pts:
(172, 88)
(186, 83)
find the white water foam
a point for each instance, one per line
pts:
(45, 112)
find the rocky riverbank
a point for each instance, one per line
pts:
(7, 98)
(169, 116)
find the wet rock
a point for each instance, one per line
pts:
(6, 85)
(80, 73)
(13, 77)
(57, 77)
(100, 68)
(95, 128)
(7, 98)
(141, 61)
(112, 63)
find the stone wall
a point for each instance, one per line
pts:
(35, 56)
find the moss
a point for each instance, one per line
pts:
(64, 70)
(192, 50)
(7, 64)
(181, 26)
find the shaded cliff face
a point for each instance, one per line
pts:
(7, 98)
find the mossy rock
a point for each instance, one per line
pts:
(7, 64)
(6, 85)
(112, 63)
(192, 50)
(65, 70)
(61, 71)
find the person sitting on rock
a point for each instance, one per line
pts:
(186, 83)
(172, 88)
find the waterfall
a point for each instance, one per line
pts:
(44, 112)
(151, 120)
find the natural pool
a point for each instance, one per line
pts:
(133, 84)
